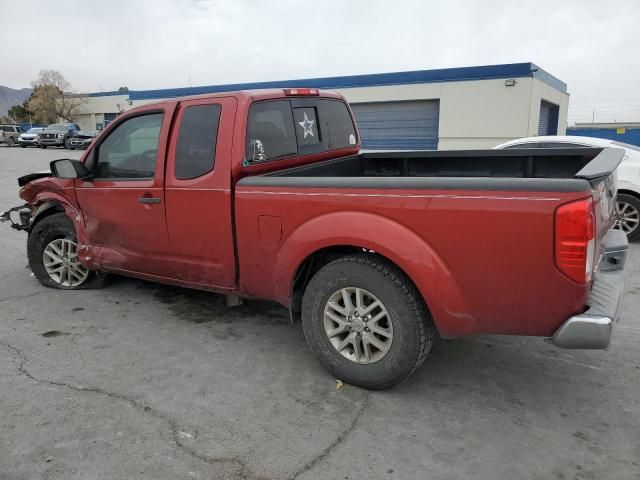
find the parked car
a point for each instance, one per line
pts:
(628, 198)
(264, 194)
(30, 137)
(82, 139)
(57, 135)
(9, 134)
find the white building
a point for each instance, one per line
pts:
(453, 108)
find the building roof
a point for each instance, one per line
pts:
(608, 125)
(485, 72)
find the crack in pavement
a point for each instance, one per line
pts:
(173, 424)
(338, 440)
(12, 297)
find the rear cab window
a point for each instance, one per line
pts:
(298, 126)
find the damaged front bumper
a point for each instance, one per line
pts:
(20, 217)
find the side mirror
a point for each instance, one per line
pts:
(67, 168)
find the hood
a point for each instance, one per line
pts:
(30, 177)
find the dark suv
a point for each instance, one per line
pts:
(57, 135)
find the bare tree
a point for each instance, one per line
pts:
(52, 97)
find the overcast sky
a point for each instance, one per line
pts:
(592, 45)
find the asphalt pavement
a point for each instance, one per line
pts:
(140, 380)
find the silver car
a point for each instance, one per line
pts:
(30, 137)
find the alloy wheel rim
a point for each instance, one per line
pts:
(358, 325)
(627, 217)
(60, 259)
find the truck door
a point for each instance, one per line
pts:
(198, 193)
(123, 205)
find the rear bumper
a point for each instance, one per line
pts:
(593, 328)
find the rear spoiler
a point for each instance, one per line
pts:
(602, 165)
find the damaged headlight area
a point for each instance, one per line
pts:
(18, 216)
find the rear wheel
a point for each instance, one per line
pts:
(365, 322)
(628, 215)
(53, 257)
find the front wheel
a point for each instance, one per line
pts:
(53, 258)
(366, 322)
(628, 215)
(11, 142)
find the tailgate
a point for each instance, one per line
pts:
(601, 174)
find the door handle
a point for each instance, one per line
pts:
(148, 200)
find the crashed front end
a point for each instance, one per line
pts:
(20, 217)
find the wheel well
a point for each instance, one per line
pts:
(314, 262)
(630, 192)
(47, 212)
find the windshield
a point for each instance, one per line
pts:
(34, 130)
(627, 145)
(57, 126)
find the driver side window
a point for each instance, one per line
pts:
(131, 149)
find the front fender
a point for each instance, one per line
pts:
(46, 201)
(390, 239)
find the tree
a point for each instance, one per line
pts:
(123, 89)
(52, 98)
(19, 113)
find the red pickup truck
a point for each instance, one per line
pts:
(265, 194)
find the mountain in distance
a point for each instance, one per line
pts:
(10, 97)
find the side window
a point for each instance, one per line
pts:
(561, 145)
(336, 124)
(131, 149)
(270, 132)
(196, 147)
(522, 145)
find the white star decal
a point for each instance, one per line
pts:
(307, 125)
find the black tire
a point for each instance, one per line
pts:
(11, 142)
(66, 144)
(43, 146)
(22, 145)
(413, 329)
(634, 202)
(50, 228)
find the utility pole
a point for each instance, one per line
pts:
(593, 115)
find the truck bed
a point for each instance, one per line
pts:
(473, 229)
(524, 169)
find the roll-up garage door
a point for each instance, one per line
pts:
(548, 121)
(398, 125)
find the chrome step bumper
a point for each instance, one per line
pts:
(593, 328)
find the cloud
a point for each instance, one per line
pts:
(152, 44)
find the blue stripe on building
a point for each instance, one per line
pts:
(630, 135)
(487, 72)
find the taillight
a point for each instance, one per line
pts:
(295, 92)
(575, 240)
